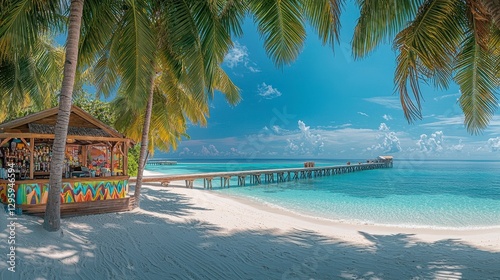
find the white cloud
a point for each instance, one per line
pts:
(432, 143)
(210, 151)
(251, 68)
(446, 96)
(389, 141)
(237, 55)
(445, 121)
(186, 151)
(494, 126)
(277, 129)
(267, 91)
(387, 117)
(306, 142)
(386, 101)
(383, 127)
(494, 144)
(363, 114)
(459, 147)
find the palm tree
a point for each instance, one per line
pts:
(179, 47)
(199, 36)
(52, 221)
(438, 41)
(22, 25)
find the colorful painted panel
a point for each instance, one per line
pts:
(32, 193)
(37, 193)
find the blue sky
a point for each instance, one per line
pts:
(326, 105)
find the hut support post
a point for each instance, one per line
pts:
(32, 161)
(125, 158)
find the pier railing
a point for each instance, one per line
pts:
(256, 177)
(161, 162)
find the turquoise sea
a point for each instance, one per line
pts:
(425, 194)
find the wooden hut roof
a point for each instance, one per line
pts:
(80, 123)
(386, 157)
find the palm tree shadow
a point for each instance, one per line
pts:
(151, 245)
(163, 201)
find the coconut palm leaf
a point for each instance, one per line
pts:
(99, 23)
(427, 49)
(493, 9)
(231, 15)
(281, 24)
(105, 70)
(30, 79)
(442, 40)
(224, 84)
(215, 39)
(135, 53)
(23, 22)
(477, 75)
(380, 21)
(324, 16)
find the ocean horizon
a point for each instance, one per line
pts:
(440, 194)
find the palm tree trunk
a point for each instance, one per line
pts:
(52, 220)
(493, 8)
(144, 143)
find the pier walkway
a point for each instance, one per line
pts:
(257, 177)
(161, 162)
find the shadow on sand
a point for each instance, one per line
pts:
(150, 244)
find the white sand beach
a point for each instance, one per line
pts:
(184, 233)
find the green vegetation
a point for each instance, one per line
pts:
(133, 160)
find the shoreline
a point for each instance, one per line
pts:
(487, 239)
(386, 228)
(181, 233)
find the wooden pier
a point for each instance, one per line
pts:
(257, 177)
(161, 162)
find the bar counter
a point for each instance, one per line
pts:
(85, 189)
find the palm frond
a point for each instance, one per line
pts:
(31, 79)
(427, 50)
(477, 75)
(215, 39)
(23, 21)
(136, 51)
(99, 23)
(185, 43)
(379, 21)
(106, 70)
(493, 9)
(324, 16)
(224, 84)
(480, 22)
(232, 14)
(281, 24)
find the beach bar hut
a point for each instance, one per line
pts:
(95, 177)
(388, 160)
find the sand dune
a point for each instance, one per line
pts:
(183, 233)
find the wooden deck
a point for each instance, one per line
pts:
(84, 208)
(161, 162)
(256, 177)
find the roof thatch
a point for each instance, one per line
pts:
(81, 123)
(81, 131)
